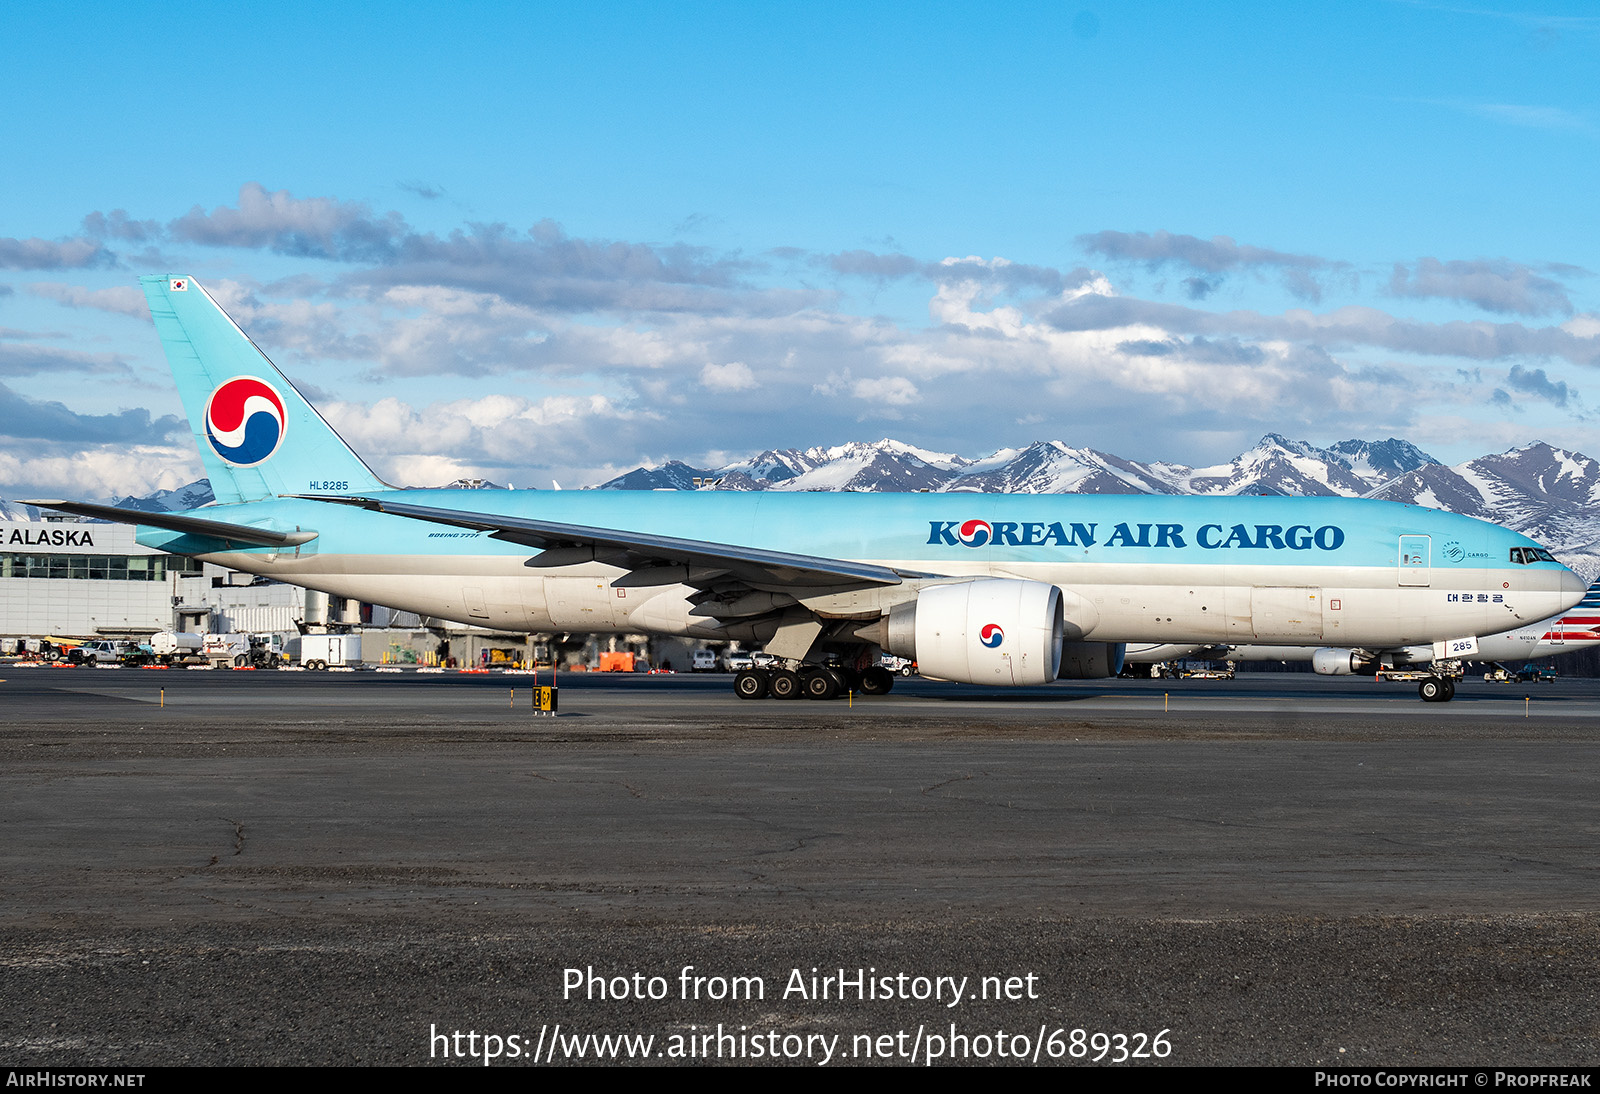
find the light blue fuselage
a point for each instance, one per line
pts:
(1136, 568)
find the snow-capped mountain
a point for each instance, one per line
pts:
(880, 465)
(672, 475)
(192, 496)
(10, 510)
(1381, 460)
(1276, 465)
(1050, 467)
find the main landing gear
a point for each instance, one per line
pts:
(1437, 689)
(811, 682)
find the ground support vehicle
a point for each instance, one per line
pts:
(242, 651)
(1527, 674)
(99, 652)
(322, 651)
(177, 647)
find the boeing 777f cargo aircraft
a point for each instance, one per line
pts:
(978, 588)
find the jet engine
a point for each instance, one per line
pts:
(1335, 662)
(986, 631)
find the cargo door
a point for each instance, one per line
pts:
(582, 603)
(1286, 612)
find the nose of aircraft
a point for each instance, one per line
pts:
(1572, 589)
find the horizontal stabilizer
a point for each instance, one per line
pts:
(194, 526)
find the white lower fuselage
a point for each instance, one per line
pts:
(1105, 602)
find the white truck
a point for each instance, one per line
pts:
(99, 652)
(176, 647)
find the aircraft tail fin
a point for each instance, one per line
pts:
(258, 436)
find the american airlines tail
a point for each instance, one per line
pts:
(258, 437)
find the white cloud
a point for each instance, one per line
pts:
(890, 391)
(122, 299)
(415, 470)
(106, 471)
(1583, 326)
(733, 376)
(495, 436)
(602, 353)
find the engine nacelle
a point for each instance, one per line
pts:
(1335, 662)
(1091, 660)
(990, 630)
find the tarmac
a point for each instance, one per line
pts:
(309, 868)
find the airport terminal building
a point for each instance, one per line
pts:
(81, 579)
(84, 579)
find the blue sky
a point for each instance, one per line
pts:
(540, 242)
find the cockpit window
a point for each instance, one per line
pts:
(1516, 556)
(1524, 555)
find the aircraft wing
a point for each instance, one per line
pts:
(653, 560)
(195, 526)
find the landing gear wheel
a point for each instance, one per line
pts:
(877, 680)
(1436, 689)
(750, 684)
(785, 684)
(822, 684)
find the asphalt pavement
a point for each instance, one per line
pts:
(243, 867)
